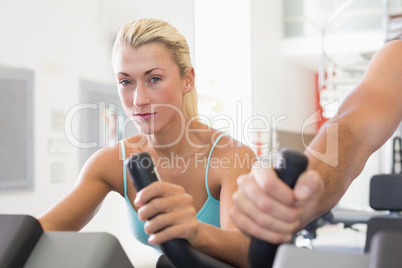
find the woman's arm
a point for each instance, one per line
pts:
(78, 207)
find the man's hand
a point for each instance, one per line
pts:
(266, 208)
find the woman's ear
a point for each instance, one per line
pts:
(189, 80)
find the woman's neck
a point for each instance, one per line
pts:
(179, 141)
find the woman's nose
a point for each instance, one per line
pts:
(141, 97)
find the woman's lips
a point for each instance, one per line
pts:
(143, 116)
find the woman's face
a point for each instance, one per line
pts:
(150, 86)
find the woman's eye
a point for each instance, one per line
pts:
(124, 82)
(154, 79)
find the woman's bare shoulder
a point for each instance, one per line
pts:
(230, 145)
(233, 155)
(107, 164)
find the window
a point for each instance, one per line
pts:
(103, 122)
(223, 63)
(16, 124)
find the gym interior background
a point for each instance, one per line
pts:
(59, 99)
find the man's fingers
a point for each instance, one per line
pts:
(250, 227)
(310, 183)
(272, 185)
(261, 208)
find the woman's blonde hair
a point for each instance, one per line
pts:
(144, 31)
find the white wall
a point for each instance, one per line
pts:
(280, 86)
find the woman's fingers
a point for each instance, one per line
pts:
(176, 224)
(168, 211)
(157, 189)
(165, 204)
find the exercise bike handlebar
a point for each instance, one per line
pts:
(289, 167)
(178, 251)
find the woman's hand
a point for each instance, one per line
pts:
(168, 211)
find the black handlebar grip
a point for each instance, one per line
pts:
(289, 167)
(142, 170)
(178, 251)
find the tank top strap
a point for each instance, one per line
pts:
(123, 154)
(209, 159)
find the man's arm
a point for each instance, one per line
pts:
(365, 121)
(266, 208)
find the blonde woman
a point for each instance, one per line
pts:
(198, 165)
